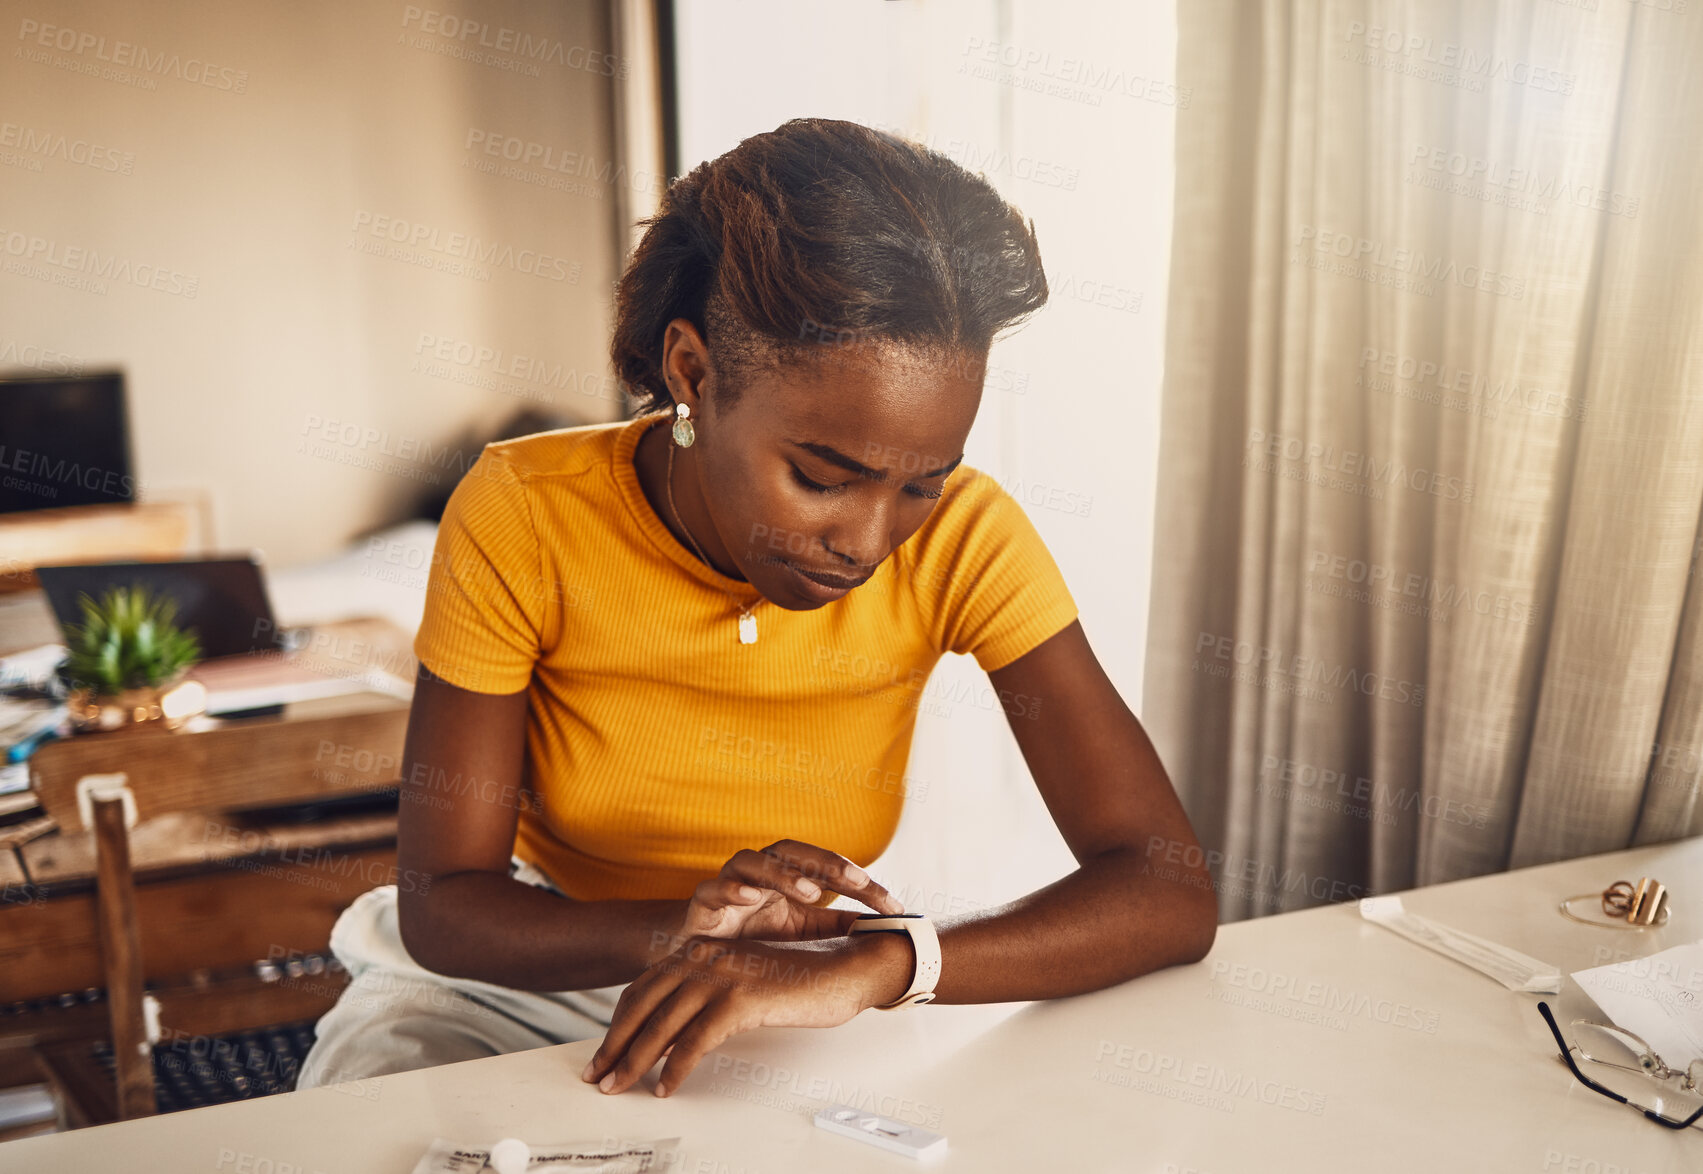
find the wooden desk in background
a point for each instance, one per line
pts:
(169, 527)
(220, 886)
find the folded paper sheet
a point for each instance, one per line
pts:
(1658, 998)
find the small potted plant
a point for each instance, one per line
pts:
(127, 661)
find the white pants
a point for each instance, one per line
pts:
(395, 1015)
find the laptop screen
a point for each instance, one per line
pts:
(223, 599)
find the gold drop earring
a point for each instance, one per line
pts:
(684, 433)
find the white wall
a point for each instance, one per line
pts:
(258, 193)
(1069, 110)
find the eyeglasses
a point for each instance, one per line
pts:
(1599, 1037)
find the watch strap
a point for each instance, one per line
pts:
(925, 941)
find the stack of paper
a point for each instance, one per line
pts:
(237, 683)
(32, 668)
(26, 724)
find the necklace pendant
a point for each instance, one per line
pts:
(748, 629)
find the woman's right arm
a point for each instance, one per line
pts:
(459, 911)
(462, 915)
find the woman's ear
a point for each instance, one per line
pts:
(685, 363)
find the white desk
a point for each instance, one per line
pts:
(1476, 1085)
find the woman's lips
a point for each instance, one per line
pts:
(820, 584)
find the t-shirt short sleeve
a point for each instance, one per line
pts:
(997, 593)
(482, 620)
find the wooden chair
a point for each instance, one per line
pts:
(191, 888)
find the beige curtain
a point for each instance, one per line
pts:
(1426, 600)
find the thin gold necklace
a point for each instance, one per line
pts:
(747, 621)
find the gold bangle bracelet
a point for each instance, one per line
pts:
(1643, 906)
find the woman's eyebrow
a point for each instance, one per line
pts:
(835, 457)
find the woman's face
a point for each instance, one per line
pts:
(822, 468)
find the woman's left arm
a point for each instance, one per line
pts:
(1140, 899)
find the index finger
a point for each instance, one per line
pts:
(835, 872)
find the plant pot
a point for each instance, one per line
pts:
(165, 706)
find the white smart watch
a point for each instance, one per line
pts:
(924, 940)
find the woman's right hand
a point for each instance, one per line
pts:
(771, 895)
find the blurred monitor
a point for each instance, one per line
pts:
(64, 440)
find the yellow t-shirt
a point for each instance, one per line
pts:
(657, 744)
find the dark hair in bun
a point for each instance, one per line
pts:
(822, 232)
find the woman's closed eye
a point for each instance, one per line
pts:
(813, 486)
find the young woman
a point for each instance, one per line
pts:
(669, 667)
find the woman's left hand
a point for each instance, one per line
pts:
(712, 988)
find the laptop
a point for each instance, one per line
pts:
(223, 599)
